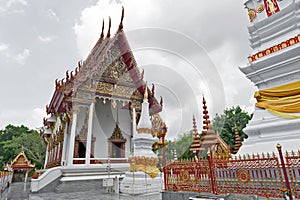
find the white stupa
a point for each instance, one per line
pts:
(274, 68)
(143, 177)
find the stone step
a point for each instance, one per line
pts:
(80, 186)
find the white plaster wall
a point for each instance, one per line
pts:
(104, 123)
(100, 146)
(125, 125)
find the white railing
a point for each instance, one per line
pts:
(5, 179)
(46, 178)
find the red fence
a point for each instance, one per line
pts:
(188, 176)
(249, 175)
(262, 175)
(293, 164)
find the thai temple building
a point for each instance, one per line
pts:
(93, 115)
(273, 67)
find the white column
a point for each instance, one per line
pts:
(72, 139)
(26, 176)
(46, 157)
(133, 130)
(133, 122)
(58, 151)
(54, 153)
(63, 157)
(89, 135)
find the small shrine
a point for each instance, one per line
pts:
(209, 140)
(21, 166)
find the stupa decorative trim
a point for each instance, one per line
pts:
(290, 42)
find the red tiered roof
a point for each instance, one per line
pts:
(196, 139)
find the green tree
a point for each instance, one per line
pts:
(224, 124)
(14, 139)
(181, 145)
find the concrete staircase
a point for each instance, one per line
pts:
(85, 178)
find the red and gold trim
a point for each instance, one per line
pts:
(278, 47)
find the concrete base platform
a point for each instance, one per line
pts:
(139, 183)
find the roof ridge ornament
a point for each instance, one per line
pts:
(121, 22)
(102, 32)
(109, 25)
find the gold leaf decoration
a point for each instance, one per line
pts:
(260, 8)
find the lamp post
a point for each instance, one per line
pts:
(163, 132)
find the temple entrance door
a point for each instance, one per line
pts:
(82, 149)
(116, 150)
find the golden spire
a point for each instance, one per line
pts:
(146, 91)
(238, 142)
(196, 144)
(205, 116)
(209, 136)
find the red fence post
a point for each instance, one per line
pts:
(163, 134)
(286, 178)
(210, 163)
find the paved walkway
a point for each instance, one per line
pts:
(16, 192)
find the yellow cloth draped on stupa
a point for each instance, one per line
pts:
(280, 100)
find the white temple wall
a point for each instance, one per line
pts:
(100, 146)
(125, 125)
(104, 123)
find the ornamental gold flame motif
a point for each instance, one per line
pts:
(144, 164)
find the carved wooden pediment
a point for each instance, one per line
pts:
(117, 135)
(21, 162)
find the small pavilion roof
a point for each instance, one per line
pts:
(21, 162)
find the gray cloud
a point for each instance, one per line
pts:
(219, 27)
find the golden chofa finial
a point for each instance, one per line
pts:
(109, 25)
(146, 91)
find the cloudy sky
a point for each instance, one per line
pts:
(187, 48)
